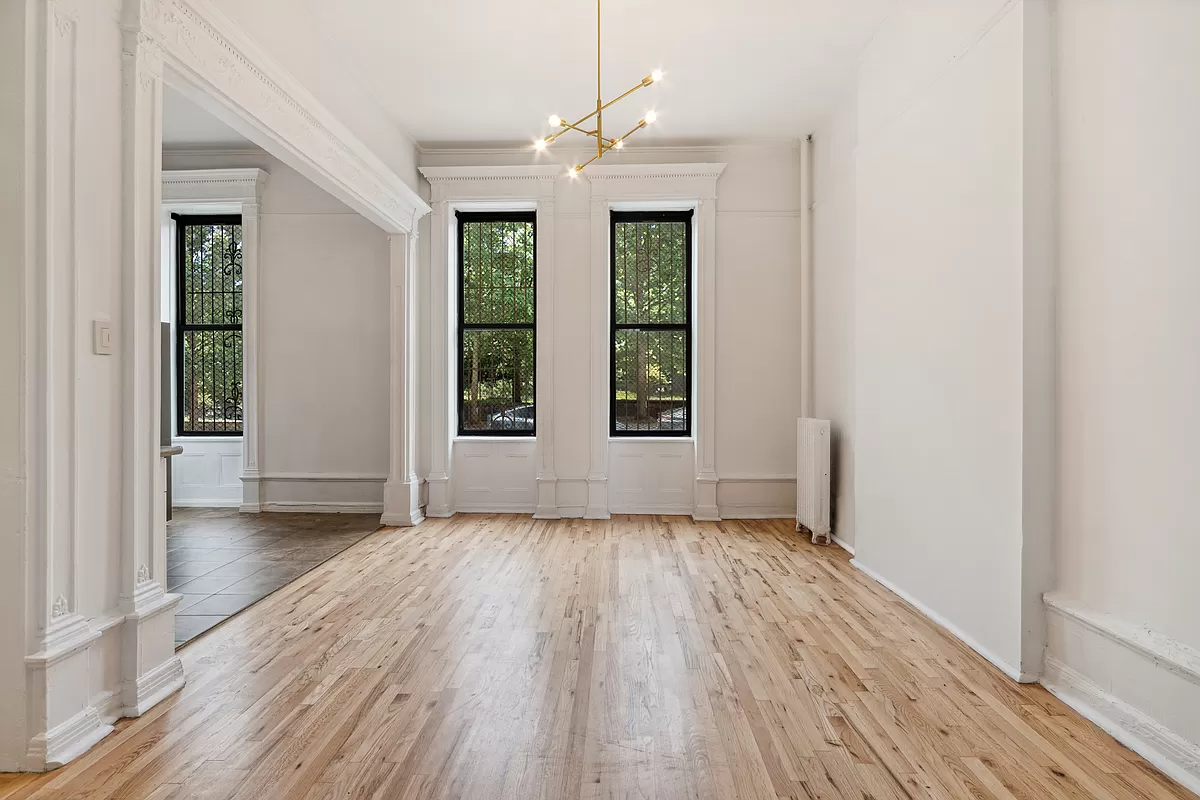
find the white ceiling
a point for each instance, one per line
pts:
(186, 124)
(494, 70)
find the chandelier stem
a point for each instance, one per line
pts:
(599, 94)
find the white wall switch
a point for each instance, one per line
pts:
(102, 337)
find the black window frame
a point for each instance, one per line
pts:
(615, 217)
(463, 218)
(181, 326)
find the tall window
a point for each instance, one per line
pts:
(208, 333)
(652, 323)
(496, 316)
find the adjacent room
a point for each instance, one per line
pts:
(599, 399)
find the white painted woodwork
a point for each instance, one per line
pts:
(755, 223)
(204, 474)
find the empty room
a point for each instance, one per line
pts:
(599, 399)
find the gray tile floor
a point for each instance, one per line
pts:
(221, 561)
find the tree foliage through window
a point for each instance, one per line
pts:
(497, 313)
(651, 314)
(209, 325)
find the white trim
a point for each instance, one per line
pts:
(67, 741)
(192, 191)
(842, 543)
(154, 686)
(301, 507)
(402, 491)
(957, 632)
(206, 503)
(1163, 651)
(494, 508)
(675, 186)
(754, 511)
(474, 189)
(108, 706)
(212, 61)
(1178, 758)
(481, 175)
(655, 510)
(364, 477)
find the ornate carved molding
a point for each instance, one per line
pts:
(200, 43)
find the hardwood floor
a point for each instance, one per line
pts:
(645, 657)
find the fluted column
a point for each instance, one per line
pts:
(402, 493)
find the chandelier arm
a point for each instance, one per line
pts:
(635, 129)
(616, 100)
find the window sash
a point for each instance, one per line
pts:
(627, 217)
(466, 218)
(183, 327)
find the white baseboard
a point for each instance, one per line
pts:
(494, 508)
(221, 502)
(302, 507)
(958, 633)
(67, 741)
(849, 548)
(108, 706)
(740, 511)
(155, 686)
(656, 510)
(1178, 758)
(1138, 684)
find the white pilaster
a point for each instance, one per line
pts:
(251, 398)
(442, 276)
(149, 626)
(60, 720)
(547, 481)
(706, 357)
(402, 492)
(597, 479)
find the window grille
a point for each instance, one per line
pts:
(651, 323)
(208, 334)
(497, 299)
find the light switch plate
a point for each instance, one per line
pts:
(102, 337)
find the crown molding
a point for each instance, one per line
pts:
(213, 185)
(215, 63)
(538, 172)
(620, 172)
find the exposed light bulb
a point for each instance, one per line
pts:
(651, 117)
(555, 121)
(620, 143)
(539, 144)
(656, 76)
(572, 172)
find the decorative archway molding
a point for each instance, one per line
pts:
(194, 47)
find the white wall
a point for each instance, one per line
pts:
(1128, 544)
(833, 289)
(757, 332)
(13, 184)
(324, 351)
(934, 210)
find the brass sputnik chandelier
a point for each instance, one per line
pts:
(603, 145)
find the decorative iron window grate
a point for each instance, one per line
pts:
(497, 298)
(208, 333)
(651, 323)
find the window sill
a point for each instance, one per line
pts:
(519, 439)
(203, 439)
(658, 439)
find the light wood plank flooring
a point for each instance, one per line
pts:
(645, 657)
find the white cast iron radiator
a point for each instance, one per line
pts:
(812, 478)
